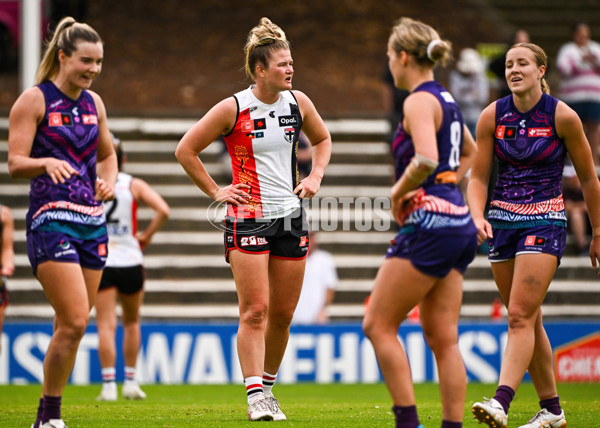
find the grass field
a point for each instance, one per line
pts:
(314, 405)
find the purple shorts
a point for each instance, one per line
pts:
(43, 246)
(507, 243)
(433, 253)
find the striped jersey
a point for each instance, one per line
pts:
(121, 221)
(438, 203)
(580, 78)
(263, 146)
(530, 166)
(69, 132)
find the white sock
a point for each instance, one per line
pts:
(129, 374)
(268, 380)
(109, 375)
(254, 388)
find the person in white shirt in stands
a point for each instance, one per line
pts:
(318, 288)
(578, 63)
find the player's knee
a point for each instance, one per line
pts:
(519, 318)
(371, 328)
(130, 319)
(254, 315)
(440, 343)
(73, 328)
(108, 324)
(281, 319)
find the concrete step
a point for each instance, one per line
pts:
(337, 312)
(175, 128)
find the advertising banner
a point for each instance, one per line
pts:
(204, 353)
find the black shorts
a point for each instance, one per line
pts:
(283, 238)
(128, 280)
(3, 294)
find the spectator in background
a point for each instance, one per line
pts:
(393, 100)
(575, 208)
(7, 256)
(578, 64)
(497, 65)
(469, 86)
(318, 288)
(123, 277)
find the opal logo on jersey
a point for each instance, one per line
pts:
(290, 120)
(539, 132)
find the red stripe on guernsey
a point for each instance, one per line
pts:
(243, 164)
(554, 204)
(71, 206)
(134, 207)
(435, 204)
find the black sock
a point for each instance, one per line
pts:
(406, 417)
(504, 396)
(51, 409)
(552, 405)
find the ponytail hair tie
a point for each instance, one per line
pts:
(432, 44)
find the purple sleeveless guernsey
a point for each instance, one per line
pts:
(439, 204)
(68, 131)
(530, 165)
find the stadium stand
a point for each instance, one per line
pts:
(187, 277)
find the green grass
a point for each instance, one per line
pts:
(314, 405)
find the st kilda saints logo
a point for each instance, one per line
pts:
(290, 122)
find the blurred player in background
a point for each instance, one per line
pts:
(437, 239)
(59, 139)
(266, 236)
(7, 257)
(123, 277)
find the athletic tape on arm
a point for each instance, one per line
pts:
(420, 167)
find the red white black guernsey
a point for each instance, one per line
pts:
(263, 146)
(121, 221)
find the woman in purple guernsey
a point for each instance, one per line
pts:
(530, 134)
(58, 138)
(437, 238)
